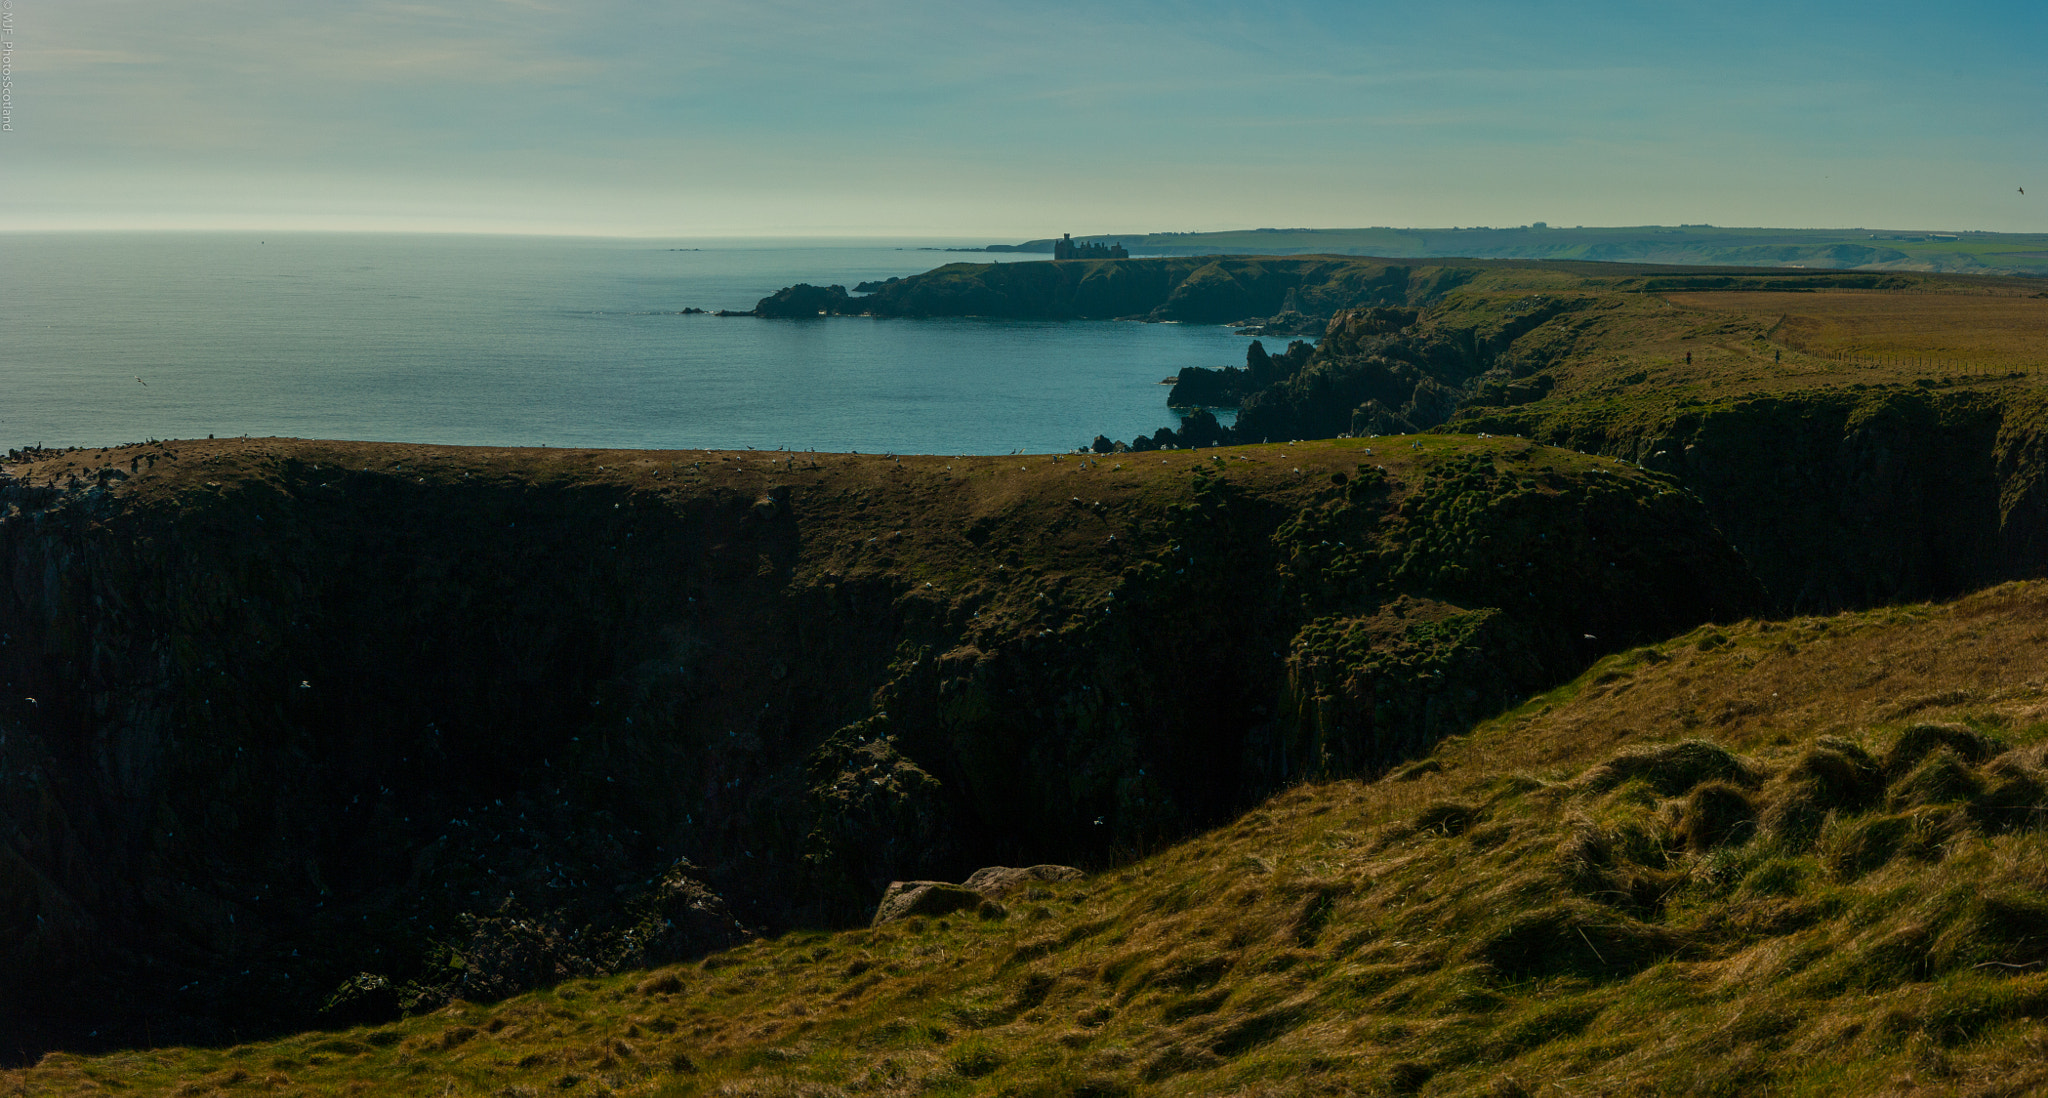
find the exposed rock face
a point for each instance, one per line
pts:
(1844, 498)
(280, 717)
(1383, 371)
(1197, 387)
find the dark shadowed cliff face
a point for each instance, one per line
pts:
(1842, 497)
(279, 716)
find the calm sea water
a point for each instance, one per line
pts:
(529, 341)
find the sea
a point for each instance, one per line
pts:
(115, 337)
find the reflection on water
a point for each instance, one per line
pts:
(525, 341)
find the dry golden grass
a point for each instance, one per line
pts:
(1760, 683)
(1618, 350)
(1804, 857)
(1921, 334)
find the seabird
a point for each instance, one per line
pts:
(142, 383)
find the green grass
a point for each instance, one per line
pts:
(1505, 922)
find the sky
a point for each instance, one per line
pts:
(1011, 120)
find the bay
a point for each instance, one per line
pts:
(523, 341)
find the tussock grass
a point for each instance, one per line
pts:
(1811, 897)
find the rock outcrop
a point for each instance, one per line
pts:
(981, 892)
(806, 300)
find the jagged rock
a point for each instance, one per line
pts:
(693, 920)
(1259, 365)
(874, 812)
(675, 918)
(1200, 429)
(1373, 418)
(1197, 387)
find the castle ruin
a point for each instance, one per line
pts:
(1066, 248)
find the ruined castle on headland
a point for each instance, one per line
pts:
(1066, 248)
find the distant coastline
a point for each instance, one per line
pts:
(1930, 251)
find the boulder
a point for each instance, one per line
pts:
(907, 898)
(997, 881)
(978, 893)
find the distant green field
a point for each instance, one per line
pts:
(1874, 249)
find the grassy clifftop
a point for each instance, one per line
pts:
(1799, 856)
(1859, 446)
(1859, 443)
(1868, 249)
(1215, 289)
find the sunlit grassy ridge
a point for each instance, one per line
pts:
(1798, 857)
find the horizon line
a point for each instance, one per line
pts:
(995, 237)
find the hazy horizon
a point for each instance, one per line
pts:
(791, 118)
(938, 243)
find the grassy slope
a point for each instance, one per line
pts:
(1634, 363)
(1624, 343)
(1560, 900)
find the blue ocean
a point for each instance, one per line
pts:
(522, 341)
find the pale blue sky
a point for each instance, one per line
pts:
(1010, 120)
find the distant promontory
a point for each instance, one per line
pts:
(1296, 292)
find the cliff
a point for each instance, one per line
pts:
(1227, 289)
(1861, 444)
(299, 725)
(1201, 290)
(1799, 857)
